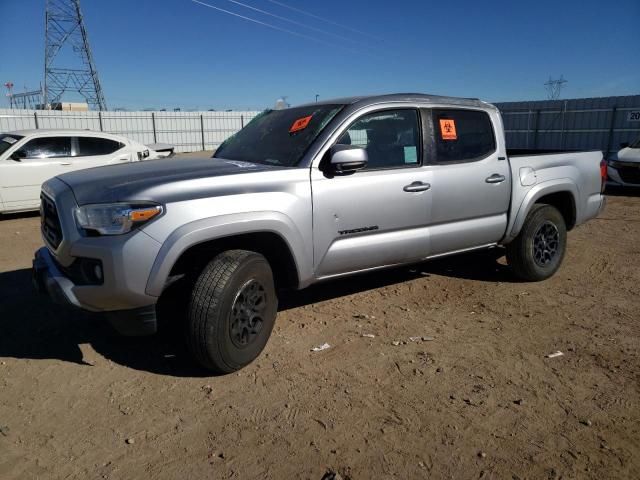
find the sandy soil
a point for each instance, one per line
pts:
(476, 398)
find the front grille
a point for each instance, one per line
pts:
(629, 174)
(50, 222)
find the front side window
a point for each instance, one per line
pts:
(278, 137)
(462, 135)
(48, 147)
(391, 138)
(90, 146)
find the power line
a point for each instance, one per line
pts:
(285, 19)
(317, 17)
(291, 32)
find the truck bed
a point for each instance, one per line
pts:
(549, 171)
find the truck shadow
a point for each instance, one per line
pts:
(480, 266)
(31, 327)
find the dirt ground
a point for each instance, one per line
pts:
(474, 398)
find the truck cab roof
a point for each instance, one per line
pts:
(418, 98)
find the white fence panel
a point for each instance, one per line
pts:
(187, 131)
(16, 120)
(135, 125)
(72, 120)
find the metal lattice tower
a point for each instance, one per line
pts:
(554, 87)
(68, 61)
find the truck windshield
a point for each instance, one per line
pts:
(7, 140)
(278, 137)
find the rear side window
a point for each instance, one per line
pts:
(462, 135)
(48, 147)
(90, 146)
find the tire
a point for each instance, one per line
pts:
(232, 311)
(537, 252)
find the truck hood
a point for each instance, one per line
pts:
(156, 180)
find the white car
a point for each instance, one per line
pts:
(625, 170)
(28, 158)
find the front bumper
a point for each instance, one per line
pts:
(48, 279)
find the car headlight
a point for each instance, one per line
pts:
(114, 218)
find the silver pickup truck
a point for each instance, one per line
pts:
(299, 196)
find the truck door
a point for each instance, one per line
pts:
(471, 187)
(379, 215)
(43, 158)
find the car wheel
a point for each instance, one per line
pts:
(537, 252)
(232, 311)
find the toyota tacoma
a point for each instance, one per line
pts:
(303, 195)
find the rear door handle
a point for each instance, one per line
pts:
(495, 178)
(417, 187)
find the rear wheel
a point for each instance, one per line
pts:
(232, 311)
(537, 252)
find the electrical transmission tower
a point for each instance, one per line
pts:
(26, 100)
(68, 61)
(554, 87)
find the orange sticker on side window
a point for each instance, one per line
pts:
(448, 129)
(300, 124)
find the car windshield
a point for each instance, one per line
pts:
(636, 144)
(7, 140)
(278, 137)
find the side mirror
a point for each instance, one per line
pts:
(18, 155)
(624, 144)
(347, 158)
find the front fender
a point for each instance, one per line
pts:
(212, 228)
(520, 210)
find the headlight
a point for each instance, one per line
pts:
(114, 218)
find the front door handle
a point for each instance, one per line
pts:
(417, 187)
(495, 178)
(66, 164)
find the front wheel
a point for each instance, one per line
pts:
(537, 252)
(232, 311)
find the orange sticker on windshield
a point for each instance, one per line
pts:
(448, 129)
(300, 124)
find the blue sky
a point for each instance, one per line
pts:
(170, 53)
